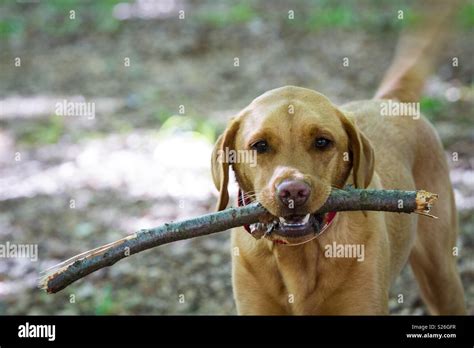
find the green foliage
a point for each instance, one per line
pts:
(161, 114)
(346, 15)
(12, 26)
(52, 18)
(466, 15)
(237, 14)
(207, 129)
(45, 132)
(105, 303)
(198, 126)
(340, 16)
(432, 108)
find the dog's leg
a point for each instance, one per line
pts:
(434, 266)
(433, 257)
(257, 286)
(251, 297)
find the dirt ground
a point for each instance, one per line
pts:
(69, 184)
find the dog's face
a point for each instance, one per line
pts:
(304, 146)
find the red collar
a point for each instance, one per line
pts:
(244, 200)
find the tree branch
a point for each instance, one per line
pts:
(60, 276)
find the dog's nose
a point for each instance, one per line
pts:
(293, 193)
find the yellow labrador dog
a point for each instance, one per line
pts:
(342, 263)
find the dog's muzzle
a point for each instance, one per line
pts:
(290, 230)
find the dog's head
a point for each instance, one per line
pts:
(304, 146)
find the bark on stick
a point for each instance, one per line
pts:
(60, 276)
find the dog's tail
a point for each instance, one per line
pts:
(416, 53)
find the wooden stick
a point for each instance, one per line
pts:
(60, 276)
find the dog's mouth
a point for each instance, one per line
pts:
(299, 225)
(291, 229)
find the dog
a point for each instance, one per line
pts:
(306, 146)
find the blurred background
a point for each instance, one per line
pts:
(163, 88)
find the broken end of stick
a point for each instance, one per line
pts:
(424, 202)
(43, 281)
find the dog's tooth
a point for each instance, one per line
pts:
(269, 228)
(306, 218)
(282, 220)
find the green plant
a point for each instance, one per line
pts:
(198, 126)
(105, 303)
(466, 15)
(239, 13)
(59, 18)
(44, 132)
(432, 108)
(340, 16)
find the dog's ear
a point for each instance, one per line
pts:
(220, 164)
(362, 154)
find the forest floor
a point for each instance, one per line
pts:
(71, 184)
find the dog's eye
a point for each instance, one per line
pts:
(260, 146)
(322, 143)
